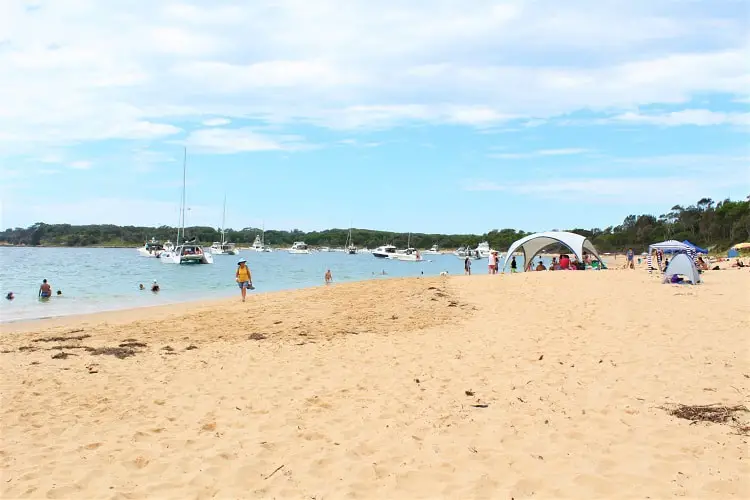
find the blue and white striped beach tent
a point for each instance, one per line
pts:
(669, 247)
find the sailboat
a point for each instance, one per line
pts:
(188, 252)
(409, 254)
(223, 247)
(349, 246)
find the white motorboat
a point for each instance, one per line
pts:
(325, 249)
(223, 247)
(408, 255)
(463, 252)
(483, 249)
(434, 250)
(168, 246)
(152, 248)
(259, 246)
(299, 247)
(384, 252)
(189, 252)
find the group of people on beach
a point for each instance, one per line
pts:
(563, 263)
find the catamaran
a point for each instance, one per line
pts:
(223, 247)
(189, 252)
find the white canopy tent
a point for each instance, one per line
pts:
(532, 245)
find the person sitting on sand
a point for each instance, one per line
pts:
(45, 291)
(564, 262)
(243, 277)
(554, 266)
(155, 287)
(328, 277)
(702, 264)
(540, 266)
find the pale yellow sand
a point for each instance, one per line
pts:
(359, 391)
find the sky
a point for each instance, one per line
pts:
(449, 116)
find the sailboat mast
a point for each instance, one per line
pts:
(224, 221)
(183, 201)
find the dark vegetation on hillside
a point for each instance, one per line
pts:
(708, 224)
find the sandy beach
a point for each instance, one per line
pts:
(535, 385)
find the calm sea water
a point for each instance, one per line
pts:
(100, 279)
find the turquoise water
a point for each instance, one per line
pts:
(100, 279)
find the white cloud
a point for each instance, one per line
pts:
(614, 190)
(216, 122)
(228, 141)
(541, 152)
(81, 165)
(698, 117)
(85, 71)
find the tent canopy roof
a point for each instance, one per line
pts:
(670, 246)
(533, 244)
(695, 247)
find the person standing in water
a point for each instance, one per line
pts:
(328, 277)
(45, 291)
(243, 277)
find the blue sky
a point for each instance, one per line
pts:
(447, 116)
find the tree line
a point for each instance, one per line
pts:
(706, 223)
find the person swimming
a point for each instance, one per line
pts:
(10, 296)
(155, 286)
(45, 291)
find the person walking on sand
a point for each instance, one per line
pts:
(513, 265)
(328, 277)
(630, 259)
(45, 291)
(243, 277)
(467, 266)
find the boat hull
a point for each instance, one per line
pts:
(173, 258)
